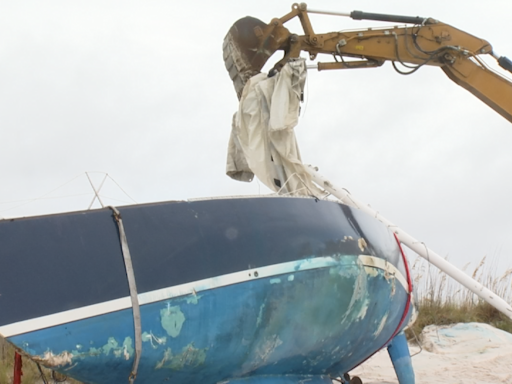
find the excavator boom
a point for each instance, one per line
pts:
(250, 43)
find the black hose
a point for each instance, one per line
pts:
(360, 15)
(505, 63)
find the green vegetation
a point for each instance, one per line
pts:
(31, 374)
(442, 301)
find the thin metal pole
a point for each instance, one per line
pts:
(417, 246)
(331, 13)
(96, 192)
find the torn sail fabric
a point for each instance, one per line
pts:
(262, 139)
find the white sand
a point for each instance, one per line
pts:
(463, 353)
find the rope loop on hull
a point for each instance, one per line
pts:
(133, 293)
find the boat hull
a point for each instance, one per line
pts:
(310, 316)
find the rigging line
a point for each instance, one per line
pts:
(112, 198)
(46, 194)
(96, 192)
(121, 188)
(44, 198)
(43, 377)
(305, 186)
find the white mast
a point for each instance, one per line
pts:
(417, 246)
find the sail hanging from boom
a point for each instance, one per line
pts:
(262, 141)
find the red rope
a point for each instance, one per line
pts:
(407, 304)
(409, 284)
(17, 368)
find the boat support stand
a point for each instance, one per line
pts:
(401, 358)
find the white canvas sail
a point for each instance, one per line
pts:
(262, 141)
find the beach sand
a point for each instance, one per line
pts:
(462, 353)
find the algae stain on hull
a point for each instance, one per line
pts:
(172, 319)
(189, 357)
(125, 350)
(112, 347)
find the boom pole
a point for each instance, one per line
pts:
(417, 246)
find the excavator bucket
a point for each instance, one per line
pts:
(240, 51)
(247, 47)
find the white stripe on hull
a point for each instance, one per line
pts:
(192, 289)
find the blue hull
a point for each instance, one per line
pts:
(304, 318)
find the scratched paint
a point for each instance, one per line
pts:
(193, 299)
(172, 319)
(319, 321)
(363, 309)
(127, 348)
(359, 302)
(347, 267)
(381, 325)
(50, 360)
(267, 347)
(362, 244)
(370, 271)
(112, 347)
(153, 340)
(189, 357)
(260, 314)
(112, 344)
(275, 281)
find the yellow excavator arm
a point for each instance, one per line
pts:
(422, 41)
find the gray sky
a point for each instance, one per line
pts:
(138, 89)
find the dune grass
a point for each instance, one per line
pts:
(441, 301)
(31, 374)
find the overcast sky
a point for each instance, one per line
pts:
(138, 89)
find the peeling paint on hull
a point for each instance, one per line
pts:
(237, 290)
(323, 321)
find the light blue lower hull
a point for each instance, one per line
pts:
(317, 322)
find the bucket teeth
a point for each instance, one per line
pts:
(240, 52)
(238, 67)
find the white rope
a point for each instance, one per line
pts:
(96, 191)
(305, 186)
